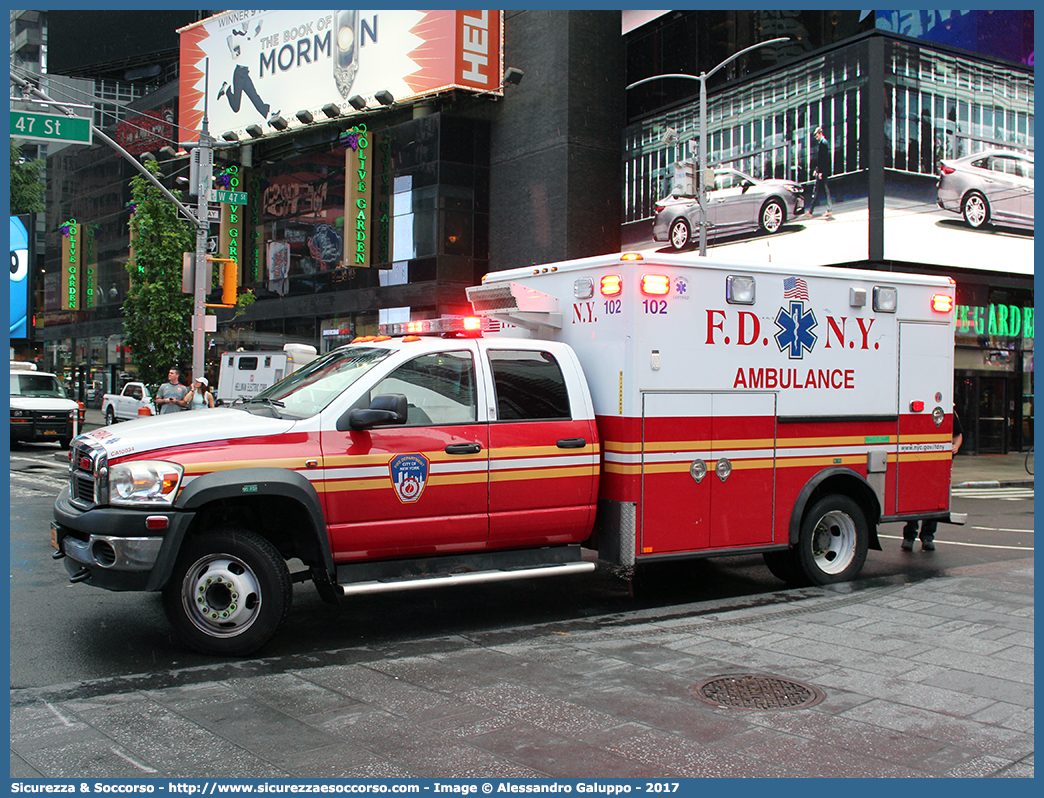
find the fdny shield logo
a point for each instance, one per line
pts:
(409, 475)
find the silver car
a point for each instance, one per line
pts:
(990, 186)
(736, 203)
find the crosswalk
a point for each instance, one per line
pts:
(1008, 494)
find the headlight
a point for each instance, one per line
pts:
(794, 189)
(144, 482)
(20, 413)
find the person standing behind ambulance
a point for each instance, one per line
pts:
(171, 396)
(929, 525)
(199, 397)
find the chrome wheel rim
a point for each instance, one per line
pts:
(834, 542)
(975, 211)
(221, 595)
(772, 217)
(679, 235)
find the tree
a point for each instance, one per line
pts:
(157, 315)
(27, 183)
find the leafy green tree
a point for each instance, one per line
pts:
(27, 183)
(157, 315)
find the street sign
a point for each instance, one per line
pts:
(231, 197)
(51, 127)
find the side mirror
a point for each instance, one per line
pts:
(387, 408)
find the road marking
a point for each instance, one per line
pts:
(939, 542)
(141, 767)
(58, 714)
(1003, 494)
(1002, 529)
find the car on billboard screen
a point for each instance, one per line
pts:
(736, 203)
(993, 186)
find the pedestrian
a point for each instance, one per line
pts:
(929, 525)
(821, 173)
(199, 397)
(172, 396)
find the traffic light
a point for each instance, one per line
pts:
(229, 281)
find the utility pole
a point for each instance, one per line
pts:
(204, 177)
(199, 219)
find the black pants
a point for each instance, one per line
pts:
(242, 84)
(928, 527)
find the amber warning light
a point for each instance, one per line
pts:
(942, 303)
(612, 285)
(656, 284)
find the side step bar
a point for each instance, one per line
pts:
(469, 577)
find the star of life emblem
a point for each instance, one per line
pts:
(409, 475)
(795, 330)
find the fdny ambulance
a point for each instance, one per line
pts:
(622, 409)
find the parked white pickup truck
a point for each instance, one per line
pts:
(124, 406)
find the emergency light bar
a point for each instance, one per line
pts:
(471, 325)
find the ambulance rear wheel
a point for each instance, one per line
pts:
(229, 592)
(834, 540)
(680, 233)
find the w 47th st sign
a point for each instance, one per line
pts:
(230, 197)
(50, 127)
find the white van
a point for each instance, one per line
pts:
(246, 374)
(41, 409)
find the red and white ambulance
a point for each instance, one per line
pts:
(782, 409)
(619, 408)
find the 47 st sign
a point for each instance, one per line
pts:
(51, 127)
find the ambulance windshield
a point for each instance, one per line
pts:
(307, 391)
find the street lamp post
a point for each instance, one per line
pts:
(702, 78)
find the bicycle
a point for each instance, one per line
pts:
(1029, 461)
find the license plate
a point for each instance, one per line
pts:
(50, 432)
(54, 535)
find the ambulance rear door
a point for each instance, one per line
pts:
(925, 449)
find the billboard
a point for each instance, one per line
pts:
(244, 67)
(19, 279)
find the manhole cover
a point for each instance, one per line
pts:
(757, 691)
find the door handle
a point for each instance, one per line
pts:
(572, 443)
(463, 448)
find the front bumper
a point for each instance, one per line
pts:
(114, 548)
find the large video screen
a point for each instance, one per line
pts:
(19, 279)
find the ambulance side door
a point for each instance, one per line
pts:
(544, 457)
(418, 488)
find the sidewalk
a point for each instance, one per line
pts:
(927, 679)
(883, 678)
(922, 679)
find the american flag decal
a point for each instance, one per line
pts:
(795, 288)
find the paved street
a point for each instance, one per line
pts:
(888, 677)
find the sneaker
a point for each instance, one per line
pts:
(907, 545)
(828, 215)
(927, 545)
(224, 88)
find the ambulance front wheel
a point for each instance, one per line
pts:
(834, 540)
(229, 592)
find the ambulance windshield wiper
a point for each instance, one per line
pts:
(264, 400)
(273, 403)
